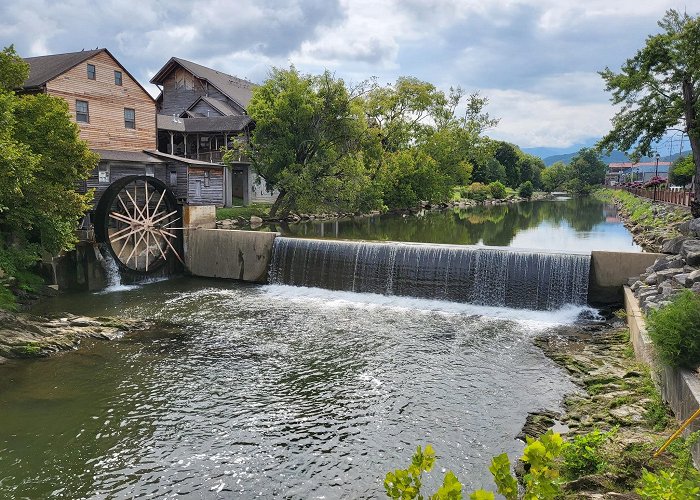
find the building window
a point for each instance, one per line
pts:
(129, 118)
(91, 74)
(206, 178)
(198, 189)
(103, 174)
(81, 112)
(173, 178)
(117, 78)
(150, 171)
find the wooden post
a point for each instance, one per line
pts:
(185, 142)
(172, 142)
(197, 147)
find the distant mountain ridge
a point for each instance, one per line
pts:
(614, 157)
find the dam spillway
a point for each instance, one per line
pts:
(467, 274)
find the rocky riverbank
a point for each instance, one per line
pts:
(28, 336)
(668, 229)
(617, 397)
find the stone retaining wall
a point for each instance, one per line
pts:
(680, 388)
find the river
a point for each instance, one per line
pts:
(273, 390)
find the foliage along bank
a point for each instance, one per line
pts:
(326, 146)
(41, 160)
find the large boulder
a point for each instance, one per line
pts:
(673, 245)
(690, 251)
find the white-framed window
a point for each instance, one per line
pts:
(103, 174)
(207, 177)
(117, 78)
(82, 112)
(172, 178)
(150, 170)
(198, 189)
(91, 73)
(129, 118)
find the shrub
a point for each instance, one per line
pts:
(478, 191)
(525, 190)
(498, 190)
(675, 330)
(667, 485)
(584, 454)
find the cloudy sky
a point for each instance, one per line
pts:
(536, 60)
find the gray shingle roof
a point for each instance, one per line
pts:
(182, 159)
(135, 156)
(234, 123)
(45, 68)
(221, 106)
(235, 88)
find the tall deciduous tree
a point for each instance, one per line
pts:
(41, 160)
(658, 89)
(307, 141)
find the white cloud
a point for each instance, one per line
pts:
(535, 59)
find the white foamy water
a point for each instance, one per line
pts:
(567, 314)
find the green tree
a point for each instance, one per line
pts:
(307, 142)
(525, 190)
(555, 176)
(658, 91)
(410, 176)
(682, 170)
(41, 160)
(398, 113)
(531, 168)
(508, 155)
(587, 167)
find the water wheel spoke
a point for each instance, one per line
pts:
(123, 204)
(121, 231)
(136, 246)
(172, 222)
(155, 221)
(155, 210)
(114, 240)
(173, 249)
(122, 218)
(138, 214)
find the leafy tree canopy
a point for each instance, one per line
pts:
(307, 140)
(682, 170)
(41, 160)
(658, 91)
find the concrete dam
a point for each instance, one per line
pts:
(472, 274)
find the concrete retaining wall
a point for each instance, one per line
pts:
(680, 388)
(220, 253)
(611, 270)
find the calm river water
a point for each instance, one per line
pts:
(574, 224)
(266, 391)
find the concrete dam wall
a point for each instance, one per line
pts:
(247, 255)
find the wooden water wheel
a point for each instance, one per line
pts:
(138, 219)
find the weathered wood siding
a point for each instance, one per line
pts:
(181, 89)
(118, 170)
(213, 194)
(205, 109)
(106, 103)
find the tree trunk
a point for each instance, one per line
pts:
(278, 203)
(689, 101)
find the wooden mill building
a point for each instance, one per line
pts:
(117, 118)
(201, 111)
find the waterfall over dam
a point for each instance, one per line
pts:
(468, 274)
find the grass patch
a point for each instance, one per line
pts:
(258, 209)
